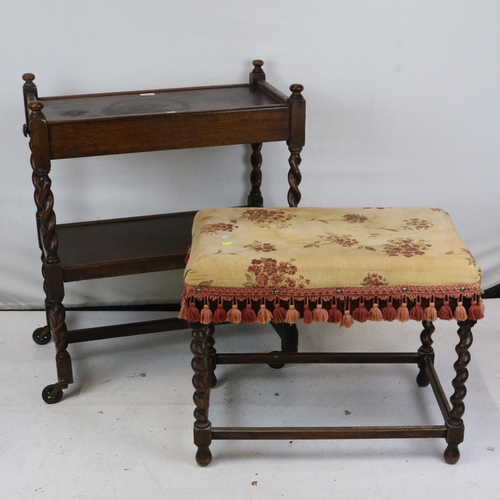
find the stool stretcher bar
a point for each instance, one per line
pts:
(452, 430)
(317, 357)
(382, 432)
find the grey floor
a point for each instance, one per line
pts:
(124, 429)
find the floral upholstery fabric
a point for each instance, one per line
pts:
(328, 257)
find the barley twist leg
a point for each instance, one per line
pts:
(455, 422)
(425, 351)
(294, 177)
(255, 197)
(201, 365)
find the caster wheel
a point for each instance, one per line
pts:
(52, 394)
(276, 366)
(42, 335)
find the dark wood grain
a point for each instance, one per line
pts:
(296, 433)
(157, 102)
(137, 121)
(132, 134)
(425, 351)
(118, 247)
(452, 430)
(201, 365)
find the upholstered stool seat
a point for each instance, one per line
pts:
(335, 265)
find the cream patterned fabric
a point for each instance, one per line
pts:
(343, 257)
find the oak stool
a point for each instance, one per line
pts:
(329, 265)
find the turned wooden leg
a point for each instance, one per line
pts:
(294, 177)
(48, 302)
(289, 335)
(212, 354)
(424, 351)
(255, 197)
(48, 242)
(455, 423)
(48, 305)
(43, 334)
(201, 365)
(60, 331)
(53, 393)
(296, 141)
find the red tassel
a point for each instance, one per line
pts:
(292, 315)
(264, 315)
(188, 254)
(403, 313)
(334, 315)
(417, 312)
(249, 315)
(347, 320)
(308, 315)
(320, 315)
(278, 313)
(193, 315)
(234, 314)
(389, 313)
(206, 315)
(475, 311)
(183, 311)
(460, 312)
(445, 311)
(375, 313)
(361, 313)
(219, 314)
(430, 313)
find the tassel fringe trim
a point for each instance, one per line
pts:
(342, 312)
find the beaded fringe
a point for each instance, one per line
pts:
(343, 312)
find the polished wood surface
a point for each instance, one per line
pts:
(134, 134)
(164, 119)
(158, 102)
(138, 121)
(118, 247)
(206, 359)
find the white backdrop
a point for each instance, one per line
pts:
(403, 109)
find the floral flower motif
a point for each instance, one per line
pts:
(261, 247)
(374, 279)
(407, 247)
(417, 224)
(354, 218)
(266, 218)
(345, 240)
(470, 258)
(266, 272)
(217, 227)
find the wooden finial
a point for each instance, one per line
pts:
(296, 89)
(29, 92)
(35, 106)
(36, 110)
(28, 77)
(257, 74)
(258, 63)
